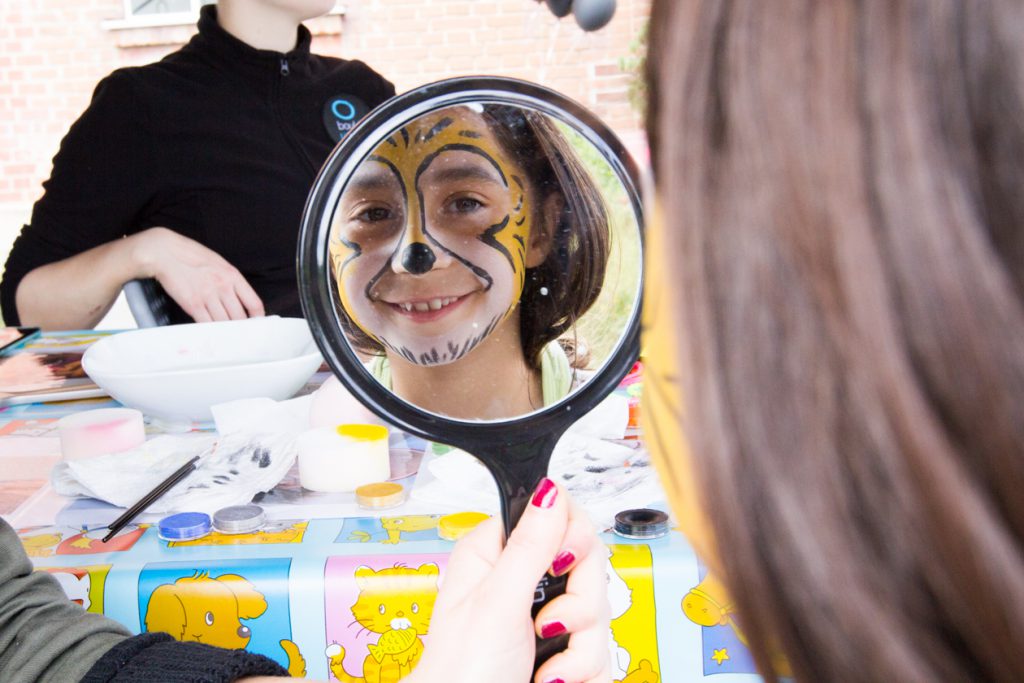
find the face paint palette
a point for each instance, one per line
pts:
(642, 523)
(184, 526)
(380, 496)
(470, 266)
(454, 526)
(239, 519)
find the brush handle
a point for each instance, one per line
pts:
(148, 499)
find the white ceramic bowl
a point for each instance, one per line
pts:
(177, 372)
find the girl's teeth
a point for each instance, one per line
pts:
(432, 305)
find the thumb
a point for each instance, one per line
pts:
(534, 542)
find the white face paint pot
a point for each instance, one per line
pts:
(343, 458)
(98, 432)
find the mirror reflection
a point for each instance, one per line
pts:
(485, 261)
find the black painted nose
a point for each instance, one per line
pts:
(418, 258)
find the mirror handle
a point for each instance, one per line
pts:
(549, 588)
(518, 469)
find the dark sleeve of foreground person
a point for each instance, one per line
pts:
(46, 637)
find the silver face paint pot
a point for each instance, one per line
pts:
(239, 519)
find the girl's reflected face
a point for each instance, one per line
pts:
(430, 238)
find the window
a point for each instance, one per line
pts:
(142, 13)
(146, 13)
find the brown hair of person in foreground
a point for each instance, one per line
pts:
(842, 184)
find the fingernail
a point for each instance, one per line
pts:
(554, 680)
(544, 496)
(562, 562)
(552, 629)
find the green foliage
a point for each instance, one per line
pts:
(601, 327)
(634, 65)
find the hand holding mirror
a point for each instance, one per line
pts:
(469, 263)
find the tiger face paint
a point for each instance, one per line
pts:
(662, 408)
(431, 237)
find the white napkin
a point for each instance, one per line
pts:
(251, 453)
(604, 474)
(263, 416)
(605, 477)
(230, 471)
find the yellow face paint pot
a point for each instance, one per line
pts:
(455, 526)
(380, 496)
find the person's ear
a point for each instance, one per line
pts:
(542, 232)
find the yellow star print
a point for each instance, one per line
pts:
(720, 656)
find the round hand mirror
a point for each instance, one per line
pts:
(470, 266)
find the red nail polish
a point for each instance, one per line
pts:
(554, 680)
(544, 496)
(552, 629)
(562, 562)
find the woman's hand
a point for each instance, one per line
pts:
(199, 279)
(482, 630)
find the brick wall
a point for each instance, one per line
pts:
(52, 53)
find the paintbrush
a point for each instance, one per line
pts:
(148, 499)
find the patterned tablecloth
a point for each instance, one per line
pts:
(351, 597)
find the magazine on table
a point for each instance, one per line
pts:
(34, 377)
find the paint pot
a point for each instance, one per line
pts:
(455, 526)
(380, 495)
(343, 458)
(184, 526)
(239, 519)
(641, 523)
(98, 432)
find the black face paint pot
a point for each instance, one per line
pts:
(641, 523)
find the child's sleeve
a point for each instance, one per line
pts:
(46, 637)
(157, 656)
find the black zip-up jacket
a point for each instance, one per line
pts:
(218, 141)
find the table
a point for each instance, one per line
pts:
(308, 592)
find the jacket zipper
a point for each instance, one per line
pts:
(285, 70)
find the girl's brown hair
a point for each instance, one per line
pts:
(843, 188)
(562, 288)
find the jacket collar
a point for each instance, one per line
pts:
(213, 39)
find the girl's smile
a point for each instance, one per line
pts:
(425, 310)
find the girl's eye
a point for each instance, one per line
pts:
(208, 618)
(382, 608)
(415, 608)
(466, 205)
(374, 214)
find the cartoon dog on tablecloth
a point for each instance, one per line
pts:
(211, 607)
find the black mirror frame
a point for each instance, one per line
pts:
(319, 301)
